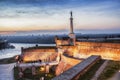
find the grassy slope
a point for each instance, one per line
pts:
(110, 70)
(90, 73)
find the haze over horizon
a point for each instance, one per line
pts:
(28, 15)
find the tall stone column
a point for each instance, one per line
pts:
(71, 23)
(71, 34)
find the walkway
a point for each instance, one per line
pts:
(6, 71)
(100, 70)
(38, 64)
(116, 76)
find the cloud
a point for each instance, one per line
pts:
(86, 12)
(22, 8)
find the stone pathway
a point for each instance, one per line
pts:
(99, 71)
(6, 71)
(116, 76)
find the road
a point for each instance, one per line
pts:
(6, 71)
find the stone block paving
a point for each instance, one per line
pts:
(6, 71)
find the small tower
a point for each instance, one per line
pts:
(71, 34)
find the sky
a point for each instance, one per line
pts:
(28, 15)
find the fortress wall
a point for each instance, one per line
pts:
(106, 50)
(70, 60)
(37, 54)
(82, 50)
(69, 50)
(39, 49)
(62, 42)
(78, 70)
(65, 64)
(98, 44)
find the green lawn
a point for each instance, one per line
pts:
(90, 73)
(110, 70)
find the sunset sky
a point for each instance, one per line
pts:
(27, 15)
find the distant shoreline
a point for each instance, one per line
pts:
(43, 39)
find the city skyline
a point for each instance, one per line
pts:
(28, 15)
